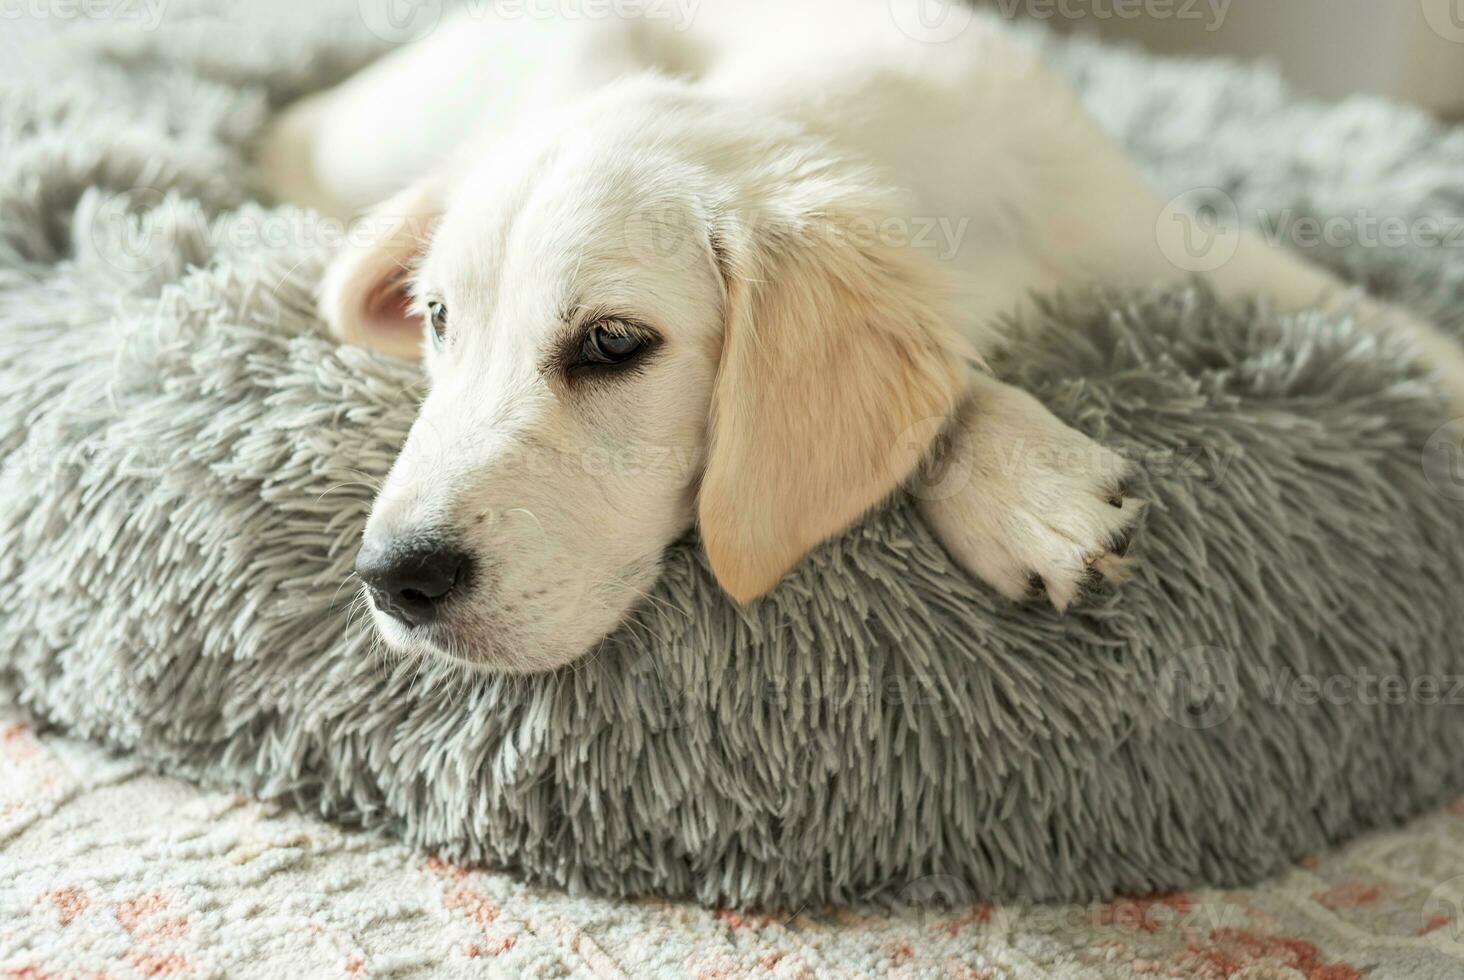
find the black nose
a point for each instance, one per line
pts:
(410, 580)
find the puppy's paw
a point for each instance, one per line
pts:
(1050, 552)
(1030, 506)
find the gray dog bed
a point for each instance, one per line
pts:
(188, 462)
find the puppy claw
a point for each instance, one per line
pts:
(1124, 538)
(1113, 567)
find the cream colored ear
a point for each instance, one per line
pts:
(837, 364)
(364, 297)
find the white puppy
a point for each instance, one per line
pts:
(735, 273)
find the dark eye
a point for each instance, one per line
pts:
(610, 344)
(437, 316)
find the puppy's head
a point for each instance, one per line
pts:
(661, 315)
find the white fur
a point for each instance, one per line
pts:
(822, 216)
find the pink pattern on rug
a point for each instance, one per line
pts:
(1149, 913)
(151, 964)
(1229, 951)
(144, 919)
(69, 903)
(1434, 924)
(979, 914)
(473, 904)
(1349, 895)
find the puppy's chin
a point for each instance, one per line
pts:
(453, 646)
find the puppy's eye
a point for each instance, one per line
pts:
(611, 344)
(437, 316)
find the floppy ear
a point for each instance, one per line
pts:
(364, 296)
(838, 368)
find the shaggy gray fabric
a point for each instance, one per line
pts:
(188, 463)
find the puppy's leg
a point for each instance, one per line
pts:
(1100, 222)
(1144, 241)
(456, 92)
(1292, 284)
(1025, 503)
(351, 147)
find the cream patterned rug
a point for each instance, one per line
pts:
(109, 871)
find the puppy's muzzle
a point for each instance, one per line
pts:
(411, 580)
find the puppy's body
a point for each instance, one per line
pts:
(1009, 182)
(821, 219)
